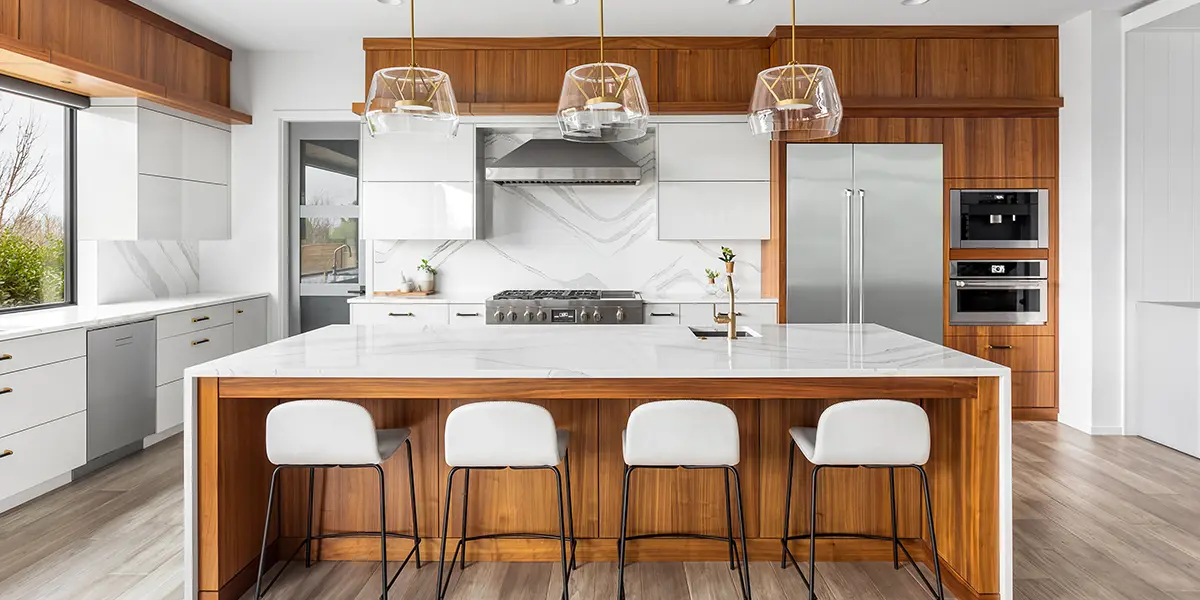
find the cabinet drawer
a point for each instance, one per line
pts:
(42, 394)
(189, 321)
(712, 152)
(38, 350)
(182, 351)
(662, 314)
(168, 406)
(42, 453)
(400, 315)
(1034, 390)
(468, 315)
(747, 314)
(249, 324)
(1019, 353)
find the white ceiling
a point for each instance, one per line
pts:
(1188, 18)
(301, 24)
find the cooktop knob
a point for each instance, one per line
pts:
(528, 316)
(499, 315)
(620, 315)
(597, 317)
(512, 316)
(541, 316)
(584, 316)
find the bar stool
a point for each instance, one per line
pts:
(684, 434)
(871, 434)
(494, 436)
(325, 434)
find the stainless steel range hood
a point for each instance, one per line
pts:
(559, 162)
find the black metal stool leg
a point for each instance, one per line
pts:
(383, 563)
(729, 525)
(412, 494)
(308, 538)
(441, 591)
(262, 557)
(742, 528)
(937, 563)
(787, 504)
(895, 538)
(466, 498)
(570, 508)
(562, 532)
(621, 542)
(812, 538)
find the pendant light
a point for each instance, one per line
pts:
(603, 101)
(412, 99)
(800, 99)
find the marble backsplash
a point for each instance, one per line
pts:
(112, 272)
(572, 237)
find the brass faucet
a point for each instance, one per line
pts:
(731, 318)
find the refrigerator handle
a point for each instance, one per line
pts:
(849, 250)
(862, 231)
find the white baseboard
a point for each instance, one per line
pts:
(1111, 430)
(158, 437)
(20, 498)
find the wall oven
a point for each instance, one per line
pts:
(1000, 218)
(1013, 292)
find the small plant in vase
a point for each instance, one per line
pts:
(727, 257)
(426, 277)
(712, 276)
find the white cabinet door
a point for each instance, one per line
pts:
(43, 394)
(714, 210)
(159, 208)
(419, 157)
(206, 152)
(712, 152)
(696, 315)
(418, 211)
(468, 315)
(748, 314)
(196, 319)
(160, 146)
(169, 407)
(175, 354)
(407, 316)
(662, 314)
(37, 350)
(205, 211)
(40, 454)
(249, 324)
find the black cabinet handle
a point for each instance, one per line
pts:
(466, 314)
(995, 347)
(663, 315)
(727, 314)
(200, 319)
(203, 341)
(6, 454)
(6, 357)
(6, 390)
(407, 314)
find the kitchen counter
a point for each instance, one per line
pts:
(35, 322)
(590, 378)
(459, 298)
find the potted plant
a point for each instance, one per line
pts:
(727, 257)
(426, 277)
(712, 276)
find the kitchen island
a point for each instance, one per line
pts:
(590, 378)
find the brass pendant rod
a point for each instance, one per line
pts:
(601, 31)
(793, 30)
(412, 29)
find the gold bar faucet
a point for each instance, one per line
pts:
(731, 318)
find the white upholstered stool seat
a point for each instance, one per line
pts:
(684, 434)
(875, 434)
(320, 434)
(500, 435)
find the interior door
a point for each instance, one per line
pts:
(898, 192)
(819, 188)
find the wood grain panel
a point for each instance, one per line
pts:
(677, 500)
(987, 68)
(158, 56)
(850, 501)
(10, 18)
(990, 148)
(1019, 353)
(919, 31)
(1035, 390)
(458, 64)
(347, 499)
(527, 501)
(709, 75)
(645, 61)
(32, 23)
(588, 43)
(218, 87)
(520, 75)
(189, 77)
(95, 33)
(153, 19)
(876, 68)
(774, 250)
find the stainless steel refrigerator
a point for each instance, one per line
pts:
(864, 236)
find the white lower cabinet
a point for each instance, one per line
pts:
(182, 351)
(661, 314)
(35, 456)
(169, 402)
(468, 315)
(747, 314)
(407, 316)
(42, 394)
(249, 324)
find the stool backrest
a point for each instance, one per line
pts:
(692, 433)
(321, 432)
(501, 434)
(872, 432)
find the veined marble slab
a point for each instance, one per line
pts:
(36, 322)
(480, 298)
(635, 351)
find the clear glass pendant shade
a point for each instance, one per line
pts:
(603, 102)
(412, 99)
(800, 99)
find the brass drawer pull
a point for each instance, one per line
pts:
(999, 347)
(203, 341)
(6, 454)
(407, 314)
(200, 319)
(663, 315)
(466, 314)
(727, 314)
(6, 357)
(6, 390)
(240, 311)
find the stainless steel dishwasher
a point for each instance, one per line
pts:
(120, 390)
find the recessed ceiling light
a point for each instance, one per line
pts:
(740, 2)
(913, 2)
(566, 2)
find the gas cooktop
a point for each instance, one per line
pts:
(565, 307)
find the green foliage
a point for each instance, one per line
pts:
(426, 267)
(727, 255)
(711, 274)
(54, 270)
(22, 270)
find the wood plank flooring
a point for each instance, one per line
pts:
(1096, 519)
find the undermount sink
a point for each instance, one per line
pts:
(705, 332)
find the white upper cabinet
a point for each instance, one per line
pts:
(712, 152)
(400, 157)
(148, 173)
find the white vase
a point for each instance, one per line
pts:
(426, 282)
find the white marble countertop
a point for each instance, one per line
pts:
(35, 322)
(459, 298)
(623, 351)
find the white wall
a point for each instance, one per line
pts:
(275, 88)
(1163, 176)
(1090, 225)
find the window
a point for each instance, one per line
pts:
(36, 202)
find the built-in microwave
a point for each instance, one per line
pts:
(1000, 219)
(1012, 292)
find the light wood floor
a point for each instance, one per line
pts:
(1096, 519)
